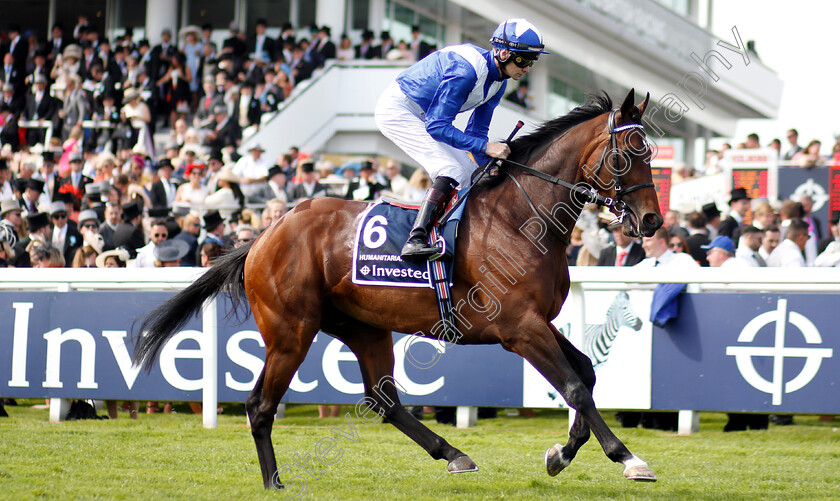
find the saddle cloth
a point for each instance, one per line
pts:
(382, 231)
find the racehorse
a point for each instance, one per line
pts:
(297, 278)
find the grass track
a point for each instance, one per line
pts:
(172, 456)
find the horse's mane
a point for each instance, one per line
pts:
(522, 148)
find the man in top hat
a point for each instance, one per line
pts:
(10, 98)
(75, 182)
(712, 215)
(65, 237)
(214, 226)
(252, 170)
(419, 47)
(259, 43)
(39, 231)
(162, 192)
(366, 186)
(42, 107)
(309, 187)
(33, 188)
(129, 233)
(93, 198)
(739, 205)
(48, 174)
(366, 49)
(623, 251)
(323, 45)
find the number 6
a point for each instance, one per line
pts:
(372, 231)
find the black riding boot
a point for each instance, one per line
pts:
(417, 247)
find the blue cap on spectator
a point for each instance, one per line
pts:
(721, 242)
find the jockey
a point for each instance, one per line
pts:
(417, 110)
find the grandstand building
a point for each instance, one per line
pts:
(701, 82)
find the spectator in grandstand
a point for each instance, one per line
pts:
(830, 247)
(224, 133)
(721, 254)
(168, 253)
(252, 170)
(678, 244)
(11, 217)
(42, 108)
(190, 230)
(89, 223)
(46, 256)
(86, 256)
(698, 235)
(245, 234)
(274, 188)
(776, 144)
(192, 192)
(117, 258)
(658, 253)
(622, 251)
(162, 192)
(769, 241)
(308, 187)
(228, 198)
(739, 204)
(9, 131)
(64, 237)
(419, 47)
(323, 45)
(673, 221)
(748, 246)
(129, 233)
(300, 68)
(139, 116)
(345, 51)
(366, 186)
(789, 252)
(397, 183)
(210, 252)
(764, 215)
(274, 210)
(810, 156)
(814, 224)
(158, 232)
(39, 234)
(520, 95)
(366, 49)
(109, 226)
(793, 139)
(7, 255)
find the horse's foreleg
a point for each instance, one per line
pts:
(559, 456)
(543, 352)
(374, 351)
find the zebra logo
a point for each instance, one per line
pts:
(598, 338)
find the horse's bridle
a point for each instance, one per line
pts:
(615, 203)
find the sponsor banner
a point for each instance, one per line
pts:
(834, 186)
(617, 337)
(755, 170)
(795, 182)
(773, 353)
(77, 345)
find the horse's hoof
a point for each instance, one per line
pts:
(636, 469)
(554, 462)
(461, 464)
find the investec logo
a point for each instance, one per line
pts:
(383, 271)
(778, 384)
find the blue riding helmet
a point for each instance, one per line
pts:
(520, 36)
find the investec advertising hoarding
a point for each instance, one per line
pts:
(771, 353)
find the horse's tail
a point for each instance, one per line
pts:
(227, 274)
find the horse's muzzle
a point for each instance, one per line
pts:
(650, 222)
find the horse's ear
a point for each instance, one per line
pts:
(629, 103)
(643, 106)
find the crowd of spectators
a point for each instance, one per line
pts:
(81, 176)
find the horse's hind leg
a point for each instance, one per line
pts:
(284, 354)
(541, 349)
(374, 350)
(559, 456)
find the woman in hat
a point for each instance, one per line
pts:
(177, 81)
(86, 256)
(228, 198)
(66, 64)
(137, 113)
(192, 192)
(117, 258)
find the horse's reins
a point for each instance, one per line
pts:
(592, 194)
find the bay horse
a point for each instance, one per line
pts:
(297, 278)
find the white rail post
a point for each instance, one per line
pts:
(210, 349)
(466, 416)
